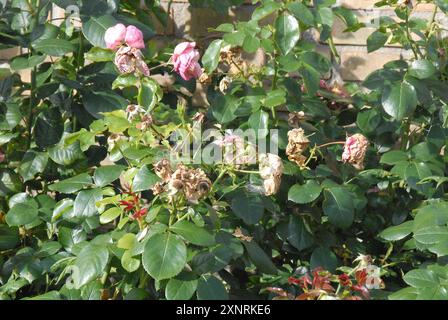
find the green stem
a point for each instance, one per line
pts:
(334, 51)
(221, 174)
(31, 106)
(106, 275)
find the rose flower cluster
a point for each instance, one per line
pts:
(193, 184)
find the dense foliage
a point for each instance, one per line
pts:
(98, 202)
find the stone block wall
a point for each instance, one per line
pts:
(191, 23)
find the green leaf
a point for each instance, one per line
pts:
(126, 81)
(301, 12)
(275, 98)
(224, 107)
(210, 288)
(71, 185)
(129, 263)
(259, 121)
(338, 206)
(148, 95)
(21, 214)
(180, 289)
(192, 233)
(54, 47)
(9, 183)
(101, 102)
(305, 193)
(325, 258)
(408, 293)
(84, 205)
(94, 29)
(107, 174)
(144, 179)
(248, 207)
(298, 235)
(97, 54)
(443, 4)
(110, 215)
(49, 127)
(265, 9)
(33, 162)
(311, 78)
(90, 263)
(422, 69)
(399, 232)
(21, 63)
(9, 237)
(251, 44)
(127, 241)
(393, 157)
(287, 32)
(431, 235)
(421, 278)
(400, 101)
(210, 59)
(376, 41)
(65, 155)
(260, 259)
(165, 256)
(51, 295)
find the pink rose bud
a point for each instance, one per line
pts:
(115, 36)
(2, 156)
(355, 149)
(186, 60)
(134, 38)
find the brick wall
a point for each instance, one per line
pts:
(356, 63)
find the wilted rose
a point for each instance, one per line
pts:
(297, 144)
(355, 149)
(186, 60)
(271, 170)
(130, 60)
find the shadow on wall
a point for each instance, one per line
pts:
(349, 67)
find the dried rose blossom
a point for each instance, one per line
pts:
(270, 165)
(145, 122)
(158, 188)
(193, 183)
(205, 78)
(224, 84)
(271, 170)
(198, 117)
(130, 60)
(355, 149)
(297, 144)
(294, 118)
(162, 169)
(133, 110)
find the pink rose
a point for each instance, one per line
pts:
(118, 34)
(2, 156)
(185, 60)
(355, 149)
(115, 36)
(134, 37)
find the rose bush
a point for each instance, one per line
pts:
(102, 198)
